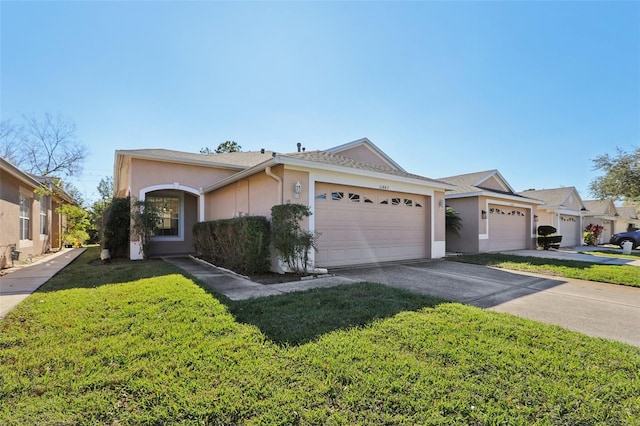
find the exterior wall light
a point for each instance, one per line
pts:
(297, 189)
(535, 218)
(441, 204)
(484, 214)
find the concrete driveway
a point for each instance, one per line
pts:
(596, 309)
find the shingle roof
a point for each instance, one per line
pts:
(238, 159)
(597, 206)
(552, 197)
(627, 212)
(464, 183)
(322, 157)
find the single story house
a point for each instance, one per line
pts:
(627, 219)
(30, 224)
(365, 207)
(563, 210)
(494, 217)
(601, 212)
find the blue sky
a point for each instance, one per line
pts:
(533, 89)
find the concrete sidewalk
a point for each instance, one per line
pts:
(18, 283)
(579, 253)
(237, 287)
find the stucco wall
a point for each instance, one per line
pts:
(254, 196)
(438, 216)
(146, 173)
(38, 244)
(467, 240)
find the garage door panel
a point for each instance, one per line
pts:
(570, 230)
(364, 232)
(508, 228)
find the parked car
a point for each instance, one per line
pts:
(620, 238)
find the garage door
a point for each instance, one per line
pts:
(570, 230)
(359, 225)
(507, 228)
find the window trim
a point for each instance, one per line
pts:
(44, 215)
(170, 194)
(23, 200)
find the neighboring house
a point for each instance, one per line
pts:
(29, 223)
(563, 210)
(601, 212)
(627, 218)
(365, 207)
(494, 217)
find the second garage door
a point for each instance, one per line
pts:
(570, 230)
(360, 225)
(507, 228)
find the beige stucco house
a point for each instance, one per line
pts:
(494, 217)
(601, 212)
(365, 207)
(627, 218)
(563, 210)
(29, 224)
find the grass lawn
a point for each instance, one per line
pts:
(613, 274)
(140, 343)
(634, 255)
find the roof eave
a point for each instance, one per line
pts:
(18, 174)
(240, 175)
(368, 173)
(494, 195)
(154, 157)
(296, 162)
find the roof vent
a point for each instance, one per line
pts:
(299, 146)
(262, 151)
(273, 154)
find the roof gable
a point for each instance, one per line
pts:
(600, 207)
(557, 198)
(366, 151)
(489, 180)
(627, 212)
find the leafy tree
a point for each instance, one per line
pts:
(145, 216)
(99, 208)
(77, 222)
(227, 146)
(453, 222)
(621, 179)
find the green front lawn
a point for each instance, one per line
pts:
(634, 255)
(140, 343)
(613, 274)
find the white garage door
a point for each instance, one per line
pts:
(570, 230)
(507, 228)
(360, 225)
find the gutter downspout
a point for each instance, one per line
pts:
(269, 173)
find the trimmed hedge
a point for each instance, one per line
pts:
(240, 244)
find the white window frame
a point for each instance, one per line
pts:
(25, 217)
(180, 197)
(44, 215)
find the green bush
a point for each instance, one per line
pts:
(292, 243)
(240, 244)
(546, 240)
(117, 227)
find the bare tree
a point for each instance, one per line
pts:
(10, 140)
(50, 146)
